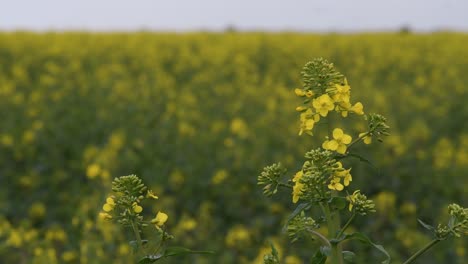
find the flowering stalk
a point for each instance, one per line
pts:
(124, 208)
(323, 176)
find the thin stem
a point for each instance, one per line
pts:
(137, 234)
(358, 139)
(421, 251)
(343, 229)
(321, 237)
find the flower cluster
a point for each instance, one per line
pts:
(125, 205)
(324, 90)
(457, 225)
(359, 203)
(300, 225)
(319, 174)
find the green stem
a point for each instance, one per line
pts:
(421, 251)
(357, 140)
(346, 225)
(137, 234)
(333, 222)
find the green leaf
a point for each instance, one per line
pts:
(363, 238)
(319, 258)
(349, 256)
(301, 207)
(427, 226)
(174, 251)
(337, 203)
(149, 259)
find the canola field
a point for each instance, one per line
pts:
(197, 116)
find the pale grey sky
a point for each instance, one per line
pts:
(270, 15)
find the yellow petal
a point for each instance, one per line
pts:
(325, 144)
(110, 201)
(339, 186)
(107, 207)
(346, 139)
(309, 124)
(160, 219)
(332, 145)
(137, 209)
(367, 140)
(337, 133)
(341, 149)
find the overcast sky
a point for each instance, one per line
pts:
(271, 15)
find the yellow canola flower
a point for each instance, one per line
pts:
(160, 219)
(150, 194)
(109, 205)
(137, 208)
(105, 216)
(357, 108)
(299, 92)
(307, 123)
(347, 178)
(352, 199)
(323, 104)
(342, 93)
(297, 188)
(366, 138)
(339, 141)
(93, 171)
(335, 184)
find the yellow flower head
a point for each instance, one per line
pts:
(160, 219)
(352, 199)
(105, 216)
(342, 93)
(339, 141)
(297, 188)
(346, 175)
(299, 92)
(323, 104)
(110, 201)
(307, 123)
(366, 138)
(357, 108)
(137, 208)
(93, 171)
(109, 205)
(150, 194)
(335, 184)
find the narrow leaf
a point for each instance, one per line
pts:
(301, 207)
(427, 226)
